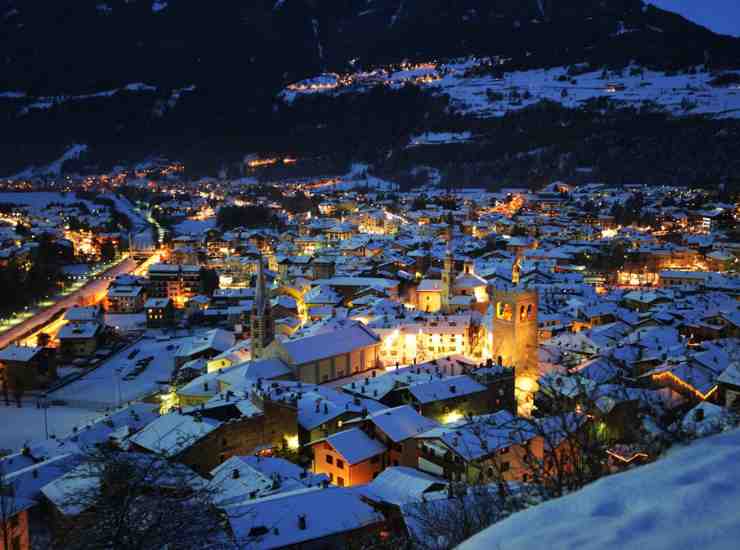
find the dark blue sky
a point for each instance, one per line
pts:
(721, 16)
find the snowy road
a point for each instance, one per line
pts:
(93, 289)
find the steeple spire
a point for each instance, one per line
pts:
(448, 271)
(260, 290)
(261, 322)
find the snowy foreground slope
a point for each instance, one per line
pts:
(688, 500)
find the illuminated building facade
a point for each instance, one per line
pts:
(178, 282)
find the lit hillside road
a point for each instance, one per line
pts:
(92, 291)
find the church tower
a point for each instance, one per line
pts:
(448, 272)
(516, 271)
(515, 340)
(448, 280)
(261, 322)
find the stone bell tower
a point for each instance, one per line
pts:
(515, 342)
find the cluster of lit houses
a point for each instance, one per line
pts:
(366, 346)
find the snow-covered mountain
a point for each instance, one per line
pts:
(134, 73)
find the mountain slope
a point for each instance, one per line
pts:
(173, 76)
(689, 499)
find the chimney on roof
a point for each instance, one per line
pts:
(235, 473)
(453, 389)
(302, 522)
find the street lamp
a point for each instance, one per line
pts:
(45, 406)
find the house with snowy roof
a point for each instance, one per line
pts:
(80, 339)
(160, 312)
(400, 485)
(349, 457)
(243, 478)
(75, 492)
(204, 346)
(395, 428)
(333, 517)
(27, 367)
(125, 299)
(81, 314)
(480, 449)
(694, 375)
(729, 386)
(321, 410)
(227, 425)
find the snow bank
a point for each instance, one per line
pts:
(687, 500)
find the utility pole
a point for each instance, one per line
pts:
(45, 405)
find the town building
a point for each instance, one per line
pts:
(27, 368)
(160, 312)
(178, 282)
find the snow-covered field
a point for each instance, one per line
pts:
(437, 138)
(22, 425)
(195, 227)
(39, 200)
(673, 93)
(106, 386)
(688, 500)
(126, 321)
(124, 206)
(680, 94)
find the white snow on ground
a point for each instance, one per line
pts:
(359, 177)
(106, 386)
(43, 103)
(670, 92)
(126, 321)
(687, 500)
(437, 138)
(140, 87)
(195, 227)
(23, 425)
(140, 228)
(124, 206)
(74, 152)
(53, 168)
(38, 200)
(469, 94)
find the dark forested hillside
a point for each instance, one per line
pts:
(213, 69)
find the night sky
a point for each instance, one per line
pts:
(721, 16)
